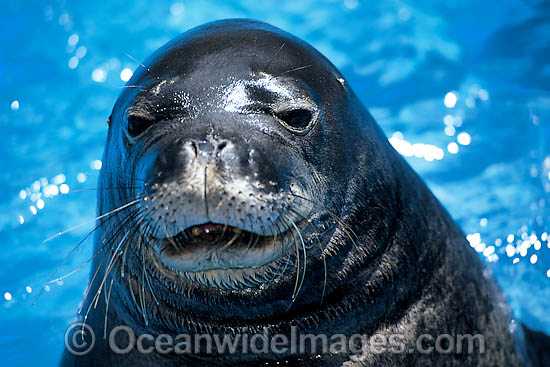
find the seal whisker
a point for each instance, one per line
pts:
(122, 207)
(109, 269)
(151, 289)
(146, 274)
(279, 230)
(102, 189)
(139, 219)
(77, 269)
(105, 245)
(73, 250)
(278, 273)
(256, 240)
(305, 264)
(141, 290)
(225, 226)
(171, 239)
(296, 69)
(116, 251)
(296, 284)
(100, 265)
(142, 296)
(348, 231)
(274, 57)
(131, 288)
(136, 60)
(283, 270)
(131, 86)
(114, 257)
(69, 255)
(322, 253)
(252, 236)
(325, 274)
(107, 301)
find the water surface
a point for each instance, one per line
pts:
(461, 89)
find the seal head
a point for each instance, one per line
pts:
(222, 137)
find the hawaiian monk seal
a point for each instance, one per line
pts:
(245, 190)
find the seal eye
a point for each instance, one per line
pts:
(138, 124)
(297, 121)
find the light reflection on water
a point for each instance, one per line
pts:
(462, 95)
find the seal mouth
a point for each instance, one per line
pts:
(213, 246)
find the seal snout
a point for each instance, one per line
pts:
(216, 204)
(190, 182)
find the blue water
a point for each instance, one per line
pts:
(462, 89)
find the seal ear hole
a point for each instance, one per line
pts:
(297, 120)
(138, 124)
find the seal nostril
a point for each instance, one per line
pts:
(193, 147)
(222, 145)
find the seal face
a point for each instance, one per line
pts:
(218, 156)
(245, 188)
(221, 206)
